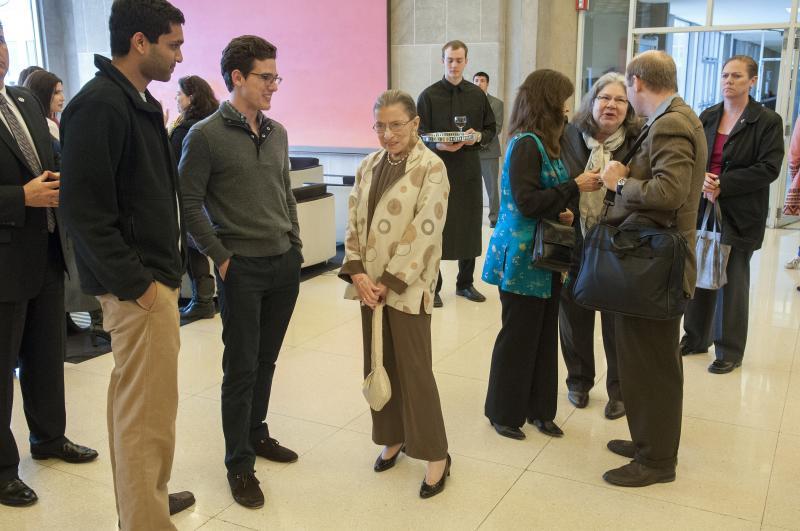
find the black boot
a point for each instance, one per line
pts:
(202, 304)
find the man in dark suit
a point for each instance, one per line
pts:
(661, 186)
(491, 153)
(32, 322)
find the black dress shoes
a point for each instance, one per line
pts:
(180, 501)
(579, 399)
(245, 490)
(508, 431)
(471, 293)
(437, 301)
(686, 350)
(622, 447)
(198, 309)
(270, 449)
(548, 427)
(16, 493)
(381, 464)
(68, 451)
(723, 367)
(426, 491)
(615, 409)
(638, 475)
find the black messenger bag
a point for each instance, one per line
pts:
(633, 269)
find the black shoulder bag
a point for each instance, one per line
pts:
(633, 269)
(552, 245)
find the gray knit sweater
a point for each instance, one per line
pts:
(236, 189)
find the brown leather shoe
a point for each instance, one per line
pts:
(271, 449)
(16, 493)
(245, 490)
(622, 447)
(638, 475)
(180, 501)
(614, 409)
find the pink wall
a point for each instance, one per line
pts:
(331, 54)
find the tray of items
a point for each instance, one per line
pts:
(449, 136)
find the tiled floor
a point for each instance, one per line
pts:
(739, 462)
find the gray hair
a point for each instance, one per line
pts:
(393, 96)
(584, 120)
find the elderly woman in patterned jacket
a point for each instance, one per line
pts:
(393, 247)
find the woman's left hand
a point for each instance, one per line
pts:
(566, 217)
(711, 187)
(380, 291)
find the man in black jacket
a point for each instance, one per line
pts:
(122, 206)
(32, 326)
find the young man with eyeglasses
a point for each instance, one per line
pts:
(241, 212)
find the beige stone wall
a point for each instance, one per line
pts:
(419, 28)
(507, 39)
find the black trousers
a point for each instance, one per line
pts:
(576, 329)
(257, 299)
(721, 316)
(200, 274)
(466, 271)
(523, 380)
(33, 332)
(651, 377)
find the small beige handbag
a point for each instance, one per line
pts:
(376, 387)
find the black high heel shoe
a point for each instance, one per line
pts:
(426, 491)
(382, 465)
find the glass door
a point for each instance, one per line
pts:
(791, 109)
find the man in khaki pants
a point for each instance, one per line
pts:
(122, 207)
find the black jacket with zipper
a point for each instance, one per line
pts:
(119, 188)
(751, 161)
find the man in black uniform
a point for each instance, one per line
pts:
(437, 106)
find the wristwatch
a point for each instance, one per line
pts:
(620, 184)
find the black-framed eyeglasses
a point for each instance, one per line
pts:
(394, 127)
(267, 78)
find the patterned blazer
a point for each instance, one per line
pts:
(403, 246)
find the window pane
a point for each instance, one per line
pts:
(677, 13)
(751, 11)
(604, 40)
(18, 26)
(699, 58)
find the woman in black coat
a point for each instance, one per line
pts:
(196, 101)
(745, 152)
(604, 128)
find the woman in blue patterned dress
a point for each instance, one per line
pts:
(523, 381)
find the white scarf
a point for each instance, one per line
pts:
(591, 203)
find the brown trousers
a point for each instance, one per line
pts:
(413, 415)
(143, 405)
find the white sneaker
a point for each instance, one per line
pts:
(794, 263)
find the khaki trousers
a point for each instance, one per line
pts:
(142, 406)
(413, 415)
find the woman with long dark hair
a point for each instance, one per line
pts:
(49, 90)
(535, 185)
(196, 101)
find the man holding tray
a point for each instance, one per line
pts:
(438, 107)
